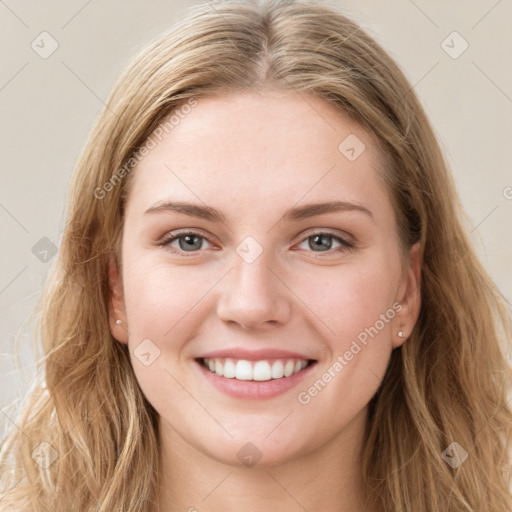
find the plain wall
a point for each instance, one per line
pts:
(48, 105)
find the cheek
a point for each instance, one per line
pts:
(352, 298)
(356, 302)
(159, 297)
(164, 306)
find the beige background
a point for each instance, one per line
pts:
(49, 104)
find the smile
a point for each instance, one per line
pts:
(263, 370)
(259, 379)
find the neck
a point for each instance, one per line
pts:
(328, 478)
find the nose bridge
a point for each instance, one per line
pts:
(253, 278)
(252, 295)
(251, 274)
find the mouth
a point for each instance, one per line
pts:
(254, 374)
(257, 371)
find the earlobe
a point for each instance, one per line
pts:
(116, 309)
(409, 298)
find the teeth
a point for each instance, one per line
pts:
(277, 371)
(262, 371)
(219, 369)
(243, 370)
(229, 369)
(254, 370)
(288, 368)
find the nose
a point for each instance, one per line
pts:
(252, 297)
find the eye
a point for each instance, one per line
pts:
(185, 241)
(324, 242)
(191, 241)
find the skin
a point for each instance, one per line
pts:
(252, 156)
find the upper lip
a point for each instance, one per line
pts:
(254, 355)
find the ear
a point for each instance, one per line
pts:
(116, 308)
(409, 297)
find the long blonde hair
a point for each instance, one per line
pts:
(446, 384)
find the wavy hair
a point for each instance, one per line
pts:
(447, 383)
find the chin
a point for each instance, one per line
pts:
(248, 451)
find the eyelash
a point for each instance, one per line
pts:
(345, 245)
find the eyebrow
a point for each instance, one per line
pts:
(293, 214)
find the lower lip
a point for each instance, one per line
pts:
(254, 390)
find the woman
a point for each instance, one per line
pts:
(264, 298)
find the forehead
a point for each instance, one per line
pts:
(246, 148)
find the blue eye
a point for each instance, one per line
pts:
(193, 242)
(187, 242)
(323, 242)
(190, 242)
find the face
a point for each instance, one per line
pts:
(260, 241)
